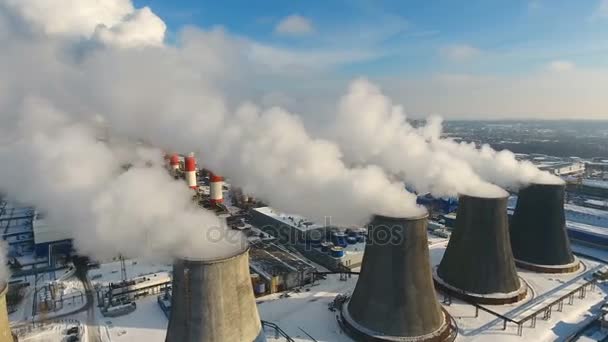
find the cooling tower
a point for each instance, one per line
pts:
(5, 330)
(394, 299)
(478, 262)
(538, 230)
(213, 302)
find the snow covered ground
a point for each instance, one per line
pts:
(307, 312)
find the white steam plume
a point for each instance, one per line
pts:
(171, 97)
(370, 129)
(61, 168)
(498, 167)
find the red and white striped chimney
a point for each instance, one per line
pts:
(190, 168)
(174, 162)
(216, 184)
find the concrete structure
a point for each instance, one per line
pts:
(212, 301)
(394, 299)
(538, 230)
(286, 227)
(190, 171)
(5, 330)
(478, 262)
(216, 191)
(279, 269)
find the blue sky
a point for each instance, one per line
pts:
(515, 36)
(479, 58)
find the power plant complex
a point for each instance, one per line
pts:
(394, 279)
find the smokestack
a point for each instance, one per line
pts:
(190, 171)
(213, 301)
(5, 330)
(394, 299)
(538, 230)
(216, 184)
(478, 262)
(174, 162)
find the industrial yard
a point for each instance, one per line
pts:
(338, 171)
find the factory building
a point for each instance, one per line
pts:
(287, 228)
(50, 239)
(278, 269)
(16, 227)
(478, 263)
(589, 187)
(335, 248)
(394, 299)
(213, 301)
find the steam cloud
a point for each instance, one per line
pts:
(370, 129)
(108, 64)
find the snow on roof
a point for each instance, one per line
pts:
(599, 231)
(294, 221)
(586, 211)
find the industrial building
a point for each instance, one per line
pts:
(278, 269)
(50, 239)
(332, 247)
(16, 227)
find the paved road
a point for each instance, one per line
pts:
(91, 322)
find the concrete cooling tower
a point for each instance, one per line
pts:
(213, 301)
(5, 330)
(538, 230)
(478, 262)
(394, 299)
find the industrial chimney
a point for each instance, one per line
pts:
(216, 184)
(213, 301)
(538, 230)
(174, 162)
(190, 171)
(5, 330)
(394, 299)
(478, 262)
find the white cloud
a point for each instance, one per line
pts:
(294, 25)
(111, 21)
(292, 61)
(459, 52)
(560, 66)
(142, 27)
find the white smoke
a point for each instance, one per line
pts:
(370, 129)
(61, 168)
(498, 167)
(168, 96)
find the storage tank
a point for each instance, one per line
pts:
(337, 252)
(538, 230)
(478, 262)
(5, 330)
(213, 301)
(394, 299)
